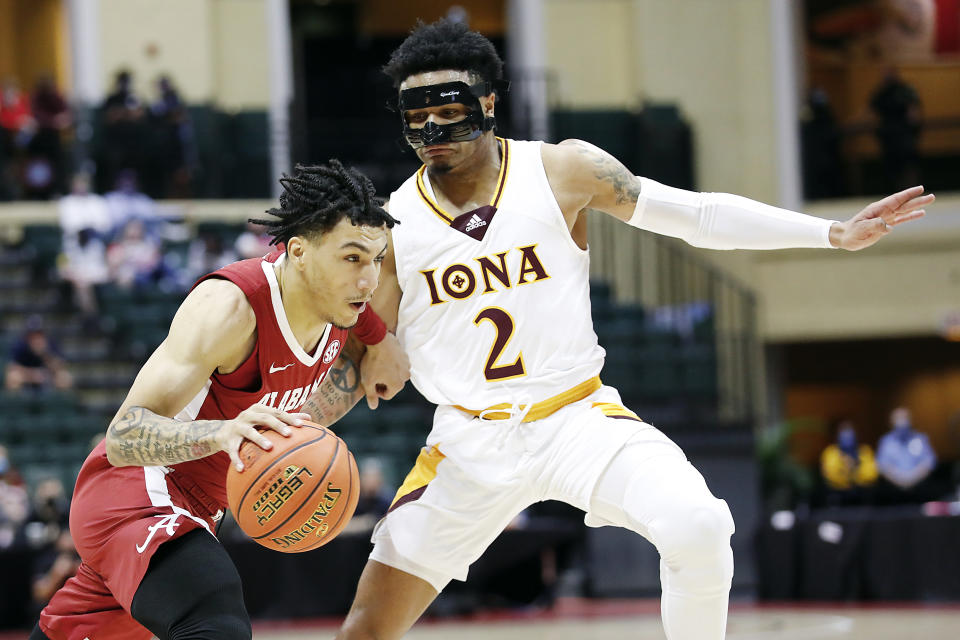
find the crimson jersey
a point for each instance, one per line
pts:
(279, 373)
(120, 516)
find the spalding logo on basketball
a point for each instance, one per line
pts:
(331, 352)
(297, 496)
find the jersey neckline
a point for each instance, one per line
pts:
(281, 315)
(425, 189)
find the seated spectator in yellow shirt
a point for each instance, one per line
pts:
(849, 469)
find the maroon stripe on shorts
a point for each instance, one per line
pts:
(410, 497)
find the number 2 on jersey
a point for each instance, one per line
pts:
(504, 325)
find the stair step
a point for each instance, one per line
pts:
(105, 400)
(13, 276)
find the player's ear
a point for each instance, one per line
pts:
(295, 249)
(487, 102)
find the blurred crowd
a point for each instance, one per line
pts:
(900, 468)
(41, 136)
(123, 238)
(900, 472)
(896, 119)
(37, 520)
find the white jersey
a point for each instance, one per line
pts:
(496, 301)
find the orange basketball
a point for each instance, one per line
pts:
(297, 496)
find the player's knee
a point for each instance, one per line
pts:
(215, 619)
(354, 628)
(218, 615)
(225, 626)
(699, 534)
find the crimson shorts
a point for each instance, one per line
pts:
(119, 517)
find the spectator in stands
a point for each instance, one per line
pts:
(84, 266)
(134, 259)
(207, 254)
(51, 568)
(848, 467)
(253, 242)
(174, 153)
(53, 117)
(375, 496)
(820, 137)
(14, 501)
(49, 514)
(82, 209)
(17, 128)
(35, 361)
(126, 202)
(905, 459)
(897, 107)
(124, 130)
(16, 119)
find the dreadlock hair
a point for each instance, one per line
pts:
(444, 44)
(316, 197)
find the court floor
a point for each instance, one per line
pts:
(638, 620)
(804, 622)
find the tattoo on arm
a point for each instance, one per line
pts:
(337, 394)
(141, 437)
(626, 186)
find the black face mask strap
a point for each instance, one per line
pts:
(456, 92)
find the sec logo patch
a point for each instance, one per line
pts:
(331, 352)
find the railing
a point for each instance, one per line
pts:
(663, 275)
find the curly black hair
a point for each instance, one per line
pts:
(316, 197)
(444, 44)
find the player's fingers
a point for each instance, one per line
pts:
(275, 424)
(290, 418)
(267, 416)
(257, 438)
(917, 203)
(372, 399)
(907, 217)
(897, 200)
(235, 458)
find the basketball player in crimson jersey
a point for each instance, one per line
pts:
(251, 346)
(487, 282)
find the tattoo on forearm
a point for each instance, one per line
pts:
(141, 437)
(625, 185)
(337, 394)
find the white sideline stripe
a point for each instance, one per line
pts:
(156, 481)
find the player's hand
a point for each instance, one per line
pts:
(384, 370)
(233, 432)
(878, 219)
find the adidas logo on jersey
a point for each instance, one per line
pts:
(475, 222)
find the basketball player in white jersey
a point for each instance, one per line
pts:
(486, 280)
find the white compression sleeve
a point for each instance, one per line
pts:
(725, 221)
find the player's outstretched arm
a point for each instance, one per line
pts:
(341, 389)
(214, 328)
(586, 177)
